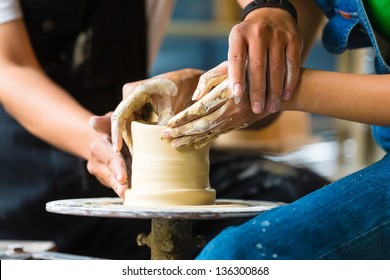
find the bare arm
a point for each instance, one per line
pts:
(355, 97)
(36, 102)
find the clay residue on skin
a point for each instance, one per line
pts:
(219, 95)
(164, 116)
(161, 86)
(135, 101)
(201, 125)
(209, 80)
(122, 114)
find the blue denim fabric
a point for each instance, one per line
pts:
(348, 219)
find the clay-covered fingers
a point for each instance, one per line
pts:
(214, 114)
(206, 105)
(200, 140)
(136, 98)
(165, 94)
(202, 124)
(203, 130)
(124, 113)
(210, 79)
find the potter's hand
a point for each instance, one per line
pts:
(215, 113)
(267, 47)
(165, 95)
(107, 166)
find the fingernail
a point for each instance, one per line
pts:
(92, 121)
(273, 107)
(165, 134)
(120, 178)
(287, 95)
(237, 99)
(120, 190)
(237, 90)
(257, 107)
(195, 95)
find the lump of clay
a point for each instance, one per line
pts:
(163, 176)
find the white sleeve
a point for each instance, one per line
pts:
(9, 10)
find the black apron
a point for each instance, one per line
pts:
(90, 47)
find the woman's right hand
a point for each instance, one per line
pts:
(215, 113)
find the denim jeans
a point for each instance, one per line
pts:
(348, 219)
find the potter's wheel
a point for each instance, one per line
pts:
(171, 227)
(113, 208)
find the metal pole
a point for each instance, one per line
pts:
(169, 239)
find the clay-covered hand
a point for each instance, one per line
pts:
(165, 95)
(215, 113)
(108, 166)
(266, 46)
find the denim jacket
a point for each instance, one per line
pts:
(349, 28)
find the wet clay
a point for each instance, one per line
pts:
(163, 176)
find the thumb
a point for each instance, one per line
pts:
(101, 124)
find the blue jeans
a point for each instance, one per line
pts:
(348, 219)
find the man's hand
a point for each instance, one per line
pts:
(109, 167)
(266, 47)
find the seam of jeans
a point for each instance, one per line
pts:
(353, 240)
(369, 29)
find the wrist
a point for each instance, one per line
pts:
(298, 100)
(257, 4)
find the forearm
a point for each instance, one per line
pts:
(355, 97)
(36, 102)
(45, 110)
